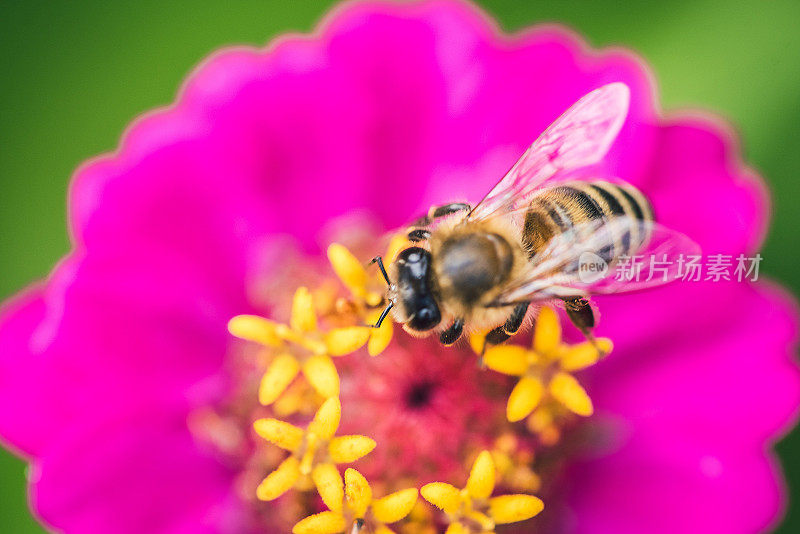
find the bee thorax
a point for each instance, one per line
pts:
(470, 264)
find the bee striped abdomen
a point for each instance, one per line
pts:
(563, 207)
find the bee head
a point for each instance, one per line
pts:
(411, 291)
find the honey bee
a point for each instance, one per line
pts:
(546, 233)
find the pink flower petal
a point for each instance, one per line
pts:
(388, 100)
(390, 108)
(690, 415)
(741, 374)
(21, 404)
(698, 187)
(105, 332)
(141, 471)
(677, 488)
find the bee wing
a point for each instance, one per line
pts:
(581, 261)
(580, 137)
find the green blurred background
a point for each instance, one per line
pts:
(74, 74)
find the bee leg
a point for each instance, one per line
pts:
(447, 209)
(440, 211)
(418, 231)
(514, 322)
(495, 336)
(581, 314)
(453, 332)
(502, 333)
(418, 234)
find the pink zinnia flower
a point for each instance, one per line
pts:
(108, 368)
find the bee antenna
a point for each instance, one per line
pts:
(384, 313)
(379, 261)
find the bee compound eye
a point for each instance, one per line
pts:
(413, 255)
